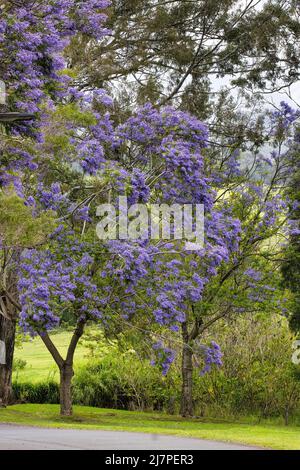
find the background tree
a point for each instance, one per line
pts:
(216, 60)
(291, 264)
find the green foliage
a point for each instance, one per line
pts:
(18, 226)
(165, 51)
(71, 112)
(43, 392)
(117, 381)
(258, 376)
(19, 364)
(121, 380)
(96, 344)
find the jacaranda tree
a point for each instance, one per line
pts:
(97, 280)
(32, 38)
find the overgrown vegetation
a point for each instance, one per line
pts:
(257, 377)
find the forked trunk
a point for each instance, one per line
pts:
(66, 375)
(65, 366)
(7, 338)
(186, 408)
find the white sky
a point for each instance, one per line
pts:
(293, 99)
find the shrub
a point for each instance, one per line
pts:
(123, 381)
(115, 381)
(43, 392)
(257, 377)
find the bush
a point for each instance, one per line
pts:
(257, 377)
(117, 381)
(43, 392)
(123, 381)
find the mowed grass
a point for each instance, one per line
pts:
(39, 363)
(265, 436)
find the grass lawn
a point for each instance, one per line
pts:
(269, 436)
(40, 365)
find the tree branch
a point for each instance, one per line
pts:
(52, 349)
(74, 341)
(12, 301)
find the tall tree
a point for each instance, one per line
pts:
(98, 280)
(234, 273)
(245, 283)
(291, 264)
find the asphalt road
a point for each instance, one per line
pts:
(30, 438)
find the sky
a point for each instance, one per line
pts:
(294, 98)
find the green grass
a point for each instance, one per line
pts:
(40, 365)
(262, 435)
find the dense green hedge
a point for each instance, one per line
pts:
(44, 392)
(124, 382)
(115, 382)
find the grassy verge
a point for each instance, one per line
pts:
(269, 436)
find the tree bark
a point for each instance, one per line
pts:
(187, 408)
(66, 375)
(7, 335)
(9, 312)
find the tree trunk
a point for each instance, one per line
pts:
(65, 366)
(286, 416)
(187, 375)
(7, 335)
(66, 375)
(8, 320)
